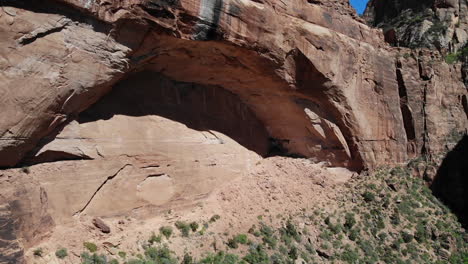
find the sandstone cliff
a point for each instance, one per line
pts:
(436, 24)
(104, 102)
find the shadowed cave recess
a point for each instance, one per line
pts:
(451, 181)
(199, 107)
(260, 113)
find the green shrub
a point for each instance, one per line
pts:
(277, 259)
(38, 252)
(232, 243)
(336, 229)
(268, 236)
(421, 235)
(194, 226)
(382, 237)
(366, 247)
(155, 239)
(380, 223)
(90, 246)
(350, 256)
(183, 227)
(93, 259)
(353, 234)
(257, 255)
(242, 239)
(293, 253)
(215, 218)
(350, 221)
(451, 58)
(326, 235)
(368, 196)
(122, 254)
(220, 258)
(291, 231)
(395, 218)
(188, 259)
(61, 253)
(457, 56)
(407, 237)
(271, 242)
(160, 255)
(309, 248)
(166, 231)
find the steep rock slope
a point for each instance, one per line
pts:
(436, 24)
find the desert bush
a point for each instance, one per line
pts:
(183, 227)
(93, 259)
(155, 239)
(38, 252)
(215, 218)
(257, 255)
(122, 254)
(194, 226)
(368, 196)
(166, 231)
(61, 253)
(407, 237)
(91, 247)
(220, 258)
(160, 255)
(350, 221)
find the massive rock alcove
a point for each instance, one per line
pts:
(146, 95)
(108, 101)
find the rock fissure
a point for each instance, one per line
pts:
(77, 213)
(26, 40)
(156, 175)
(406, 113)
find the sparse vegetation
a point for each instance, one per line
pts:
(166, 231)
(91, 247)
(155, 239)
(86, 258)
(61, 253)
(214, 218)
(393, 219)
(25, 169)
(183, 227)
(368, 196)
(38, 252)
(460, 55)
(236, 240)
(194, 226)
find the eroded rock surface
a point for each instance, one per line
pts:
(436, 24)
(132, 107)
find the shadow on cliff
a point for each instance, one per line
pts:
(451, 181)
(199, 107)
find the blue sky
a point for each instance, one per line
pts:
(359, 5)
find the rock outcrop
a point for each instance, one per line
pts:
(312, 66)
(108, 101)
(435, 24)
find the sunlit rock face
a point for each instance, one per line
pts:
(434, 24)
(128, 107)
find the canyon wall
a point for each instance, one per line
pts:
(104, 102)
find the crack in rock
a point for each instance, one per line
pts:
(99, 188)
(28, 39)
(156, 175)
